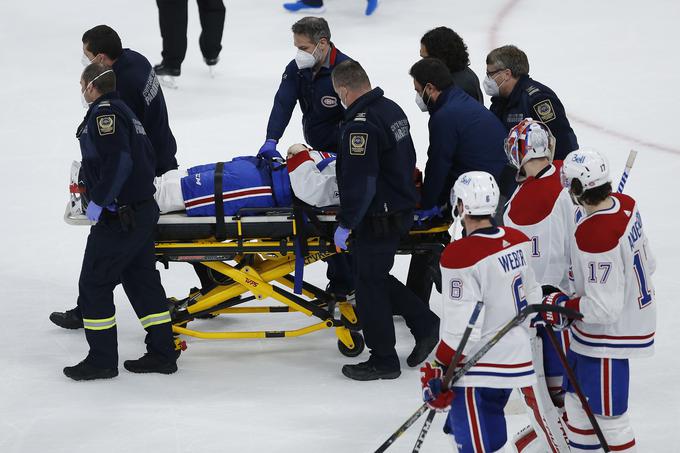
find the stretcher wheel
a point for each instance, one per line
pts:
(358, 348)
(353, 326)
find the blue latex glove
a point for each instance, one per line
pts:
(268, 150)
(93, 211)
(426, 214)
(340, 238)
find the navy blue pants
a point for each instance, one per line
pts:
(114, 256)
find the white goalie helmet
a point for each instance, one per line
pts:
(478, 192)
(588, 166)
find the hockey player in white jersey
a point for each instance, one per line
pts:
(542, 209)
(612, 266)
(490, 264)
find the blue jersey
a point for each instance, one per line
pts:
(117, 156)
(532, 99)
(247, 182)
(138, 86)
(464, 136)
(320, 105)
(376, 161)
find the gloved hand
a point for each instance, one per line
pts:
(433, 396)
(93, 211)
(426, 214)
(340, 238)
(268, 150)
(550, 317)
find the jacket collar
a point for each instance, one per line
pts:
(362, 102)
(442, 99)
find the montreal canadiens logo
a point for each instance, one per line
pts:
(329, 101)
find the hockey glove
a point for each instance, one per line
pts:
(558, 299)
(426, 214)
(431, 381)
(93, 211)
(340, 238)
(268, 150)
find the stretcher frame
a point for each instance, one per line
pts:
(256, 263)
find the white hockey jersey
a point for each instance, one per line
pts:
(492, 266)
(313, 179)
(543, 210)
(612, 266)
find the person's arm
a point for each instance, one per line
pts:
(440, 154)
(310, 184)
(110, 133)
(359, 148)
(284, 103)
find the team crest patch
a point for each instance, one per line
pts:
(357, 144)
(106, 124)
(545, 110)
(329, 101)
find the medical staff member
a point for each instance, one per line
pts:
(138, 87)
(307, 81)
(118, 162)
(375, 166)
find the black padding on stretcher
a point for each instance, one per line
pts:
(220, 231)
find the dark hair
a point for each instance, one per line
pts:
(448, 46)
(314, 28)
(351, 75)
(104, 84)
(103, 39)
(509, 57)
(591, 196)
(432, 71)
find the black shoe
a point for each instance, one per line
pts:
(164, 70)
(70, 319)
(86, 372)
(370, 371)
(211, 61)
(151, 363)
(422, 349)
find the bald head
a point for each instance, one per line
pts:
(350, 81)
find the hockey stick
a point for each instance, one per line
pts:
(577, 388)
(472, 360)
(626, 171)
(452, 366)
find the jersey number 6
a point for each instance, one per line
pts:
(518, 293)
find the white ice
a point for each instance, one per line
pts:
(613, 63)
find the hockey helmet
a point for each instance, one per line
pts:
(478, 192)
(589, 167)
(529, 139)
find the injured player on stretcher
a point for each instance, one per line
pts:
(247, 182)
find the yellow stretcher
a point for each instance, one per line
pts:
(252, 256)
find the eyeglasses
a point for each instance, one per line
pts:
(493, 73)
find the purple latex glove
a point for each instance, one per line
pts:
(268, 150)
(340, 238)
(93, 211)
(426, 214)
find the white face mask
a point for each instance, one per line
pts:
(85, 61)
(491, 88)
(421, 104)
(304, 59)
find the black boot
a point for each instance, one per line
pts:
(86, 372)
(211, 61)
(151, 363)
(163, 69)
(69, 319)
(371, 370)
(422, 349)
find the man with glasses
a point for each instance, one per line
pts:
(515, 96)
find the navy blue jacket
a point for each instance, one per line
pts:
(376, 160)
(138, 86)
(320, 105)
(117, 156)
(464, 136)
(532, 99)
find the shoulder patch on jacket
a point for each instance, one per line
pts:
(545, 110)
(106, 124)
(357, 143)
(531, 90)
(361, 116)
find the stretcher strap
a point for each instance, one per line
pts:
(220, 227)
(300, 247)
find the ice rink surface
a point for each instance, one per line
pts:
(613, 64)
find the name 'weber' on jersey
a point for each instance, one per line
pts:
(612, 266)
(492, 266)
